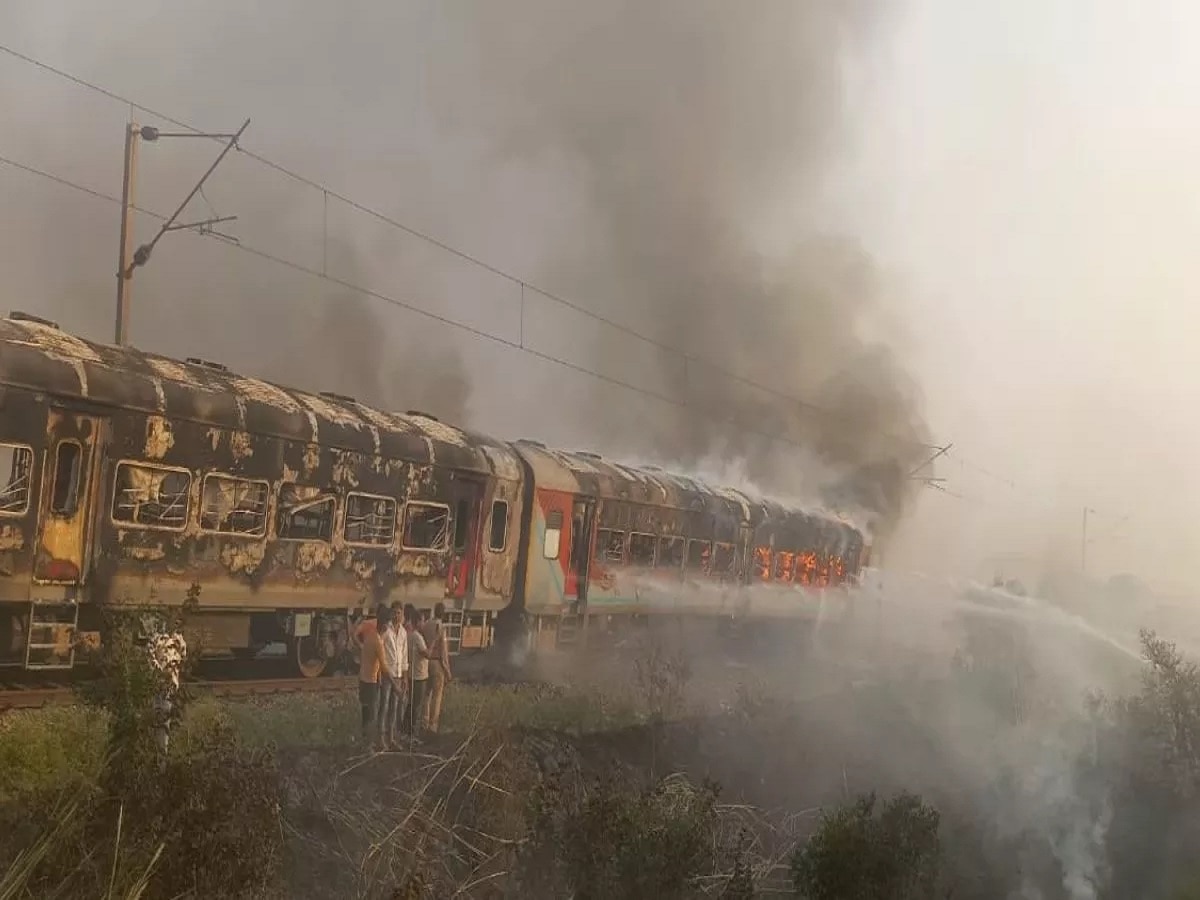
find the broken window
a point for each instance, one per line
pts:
(762, 563)
(16, 464)
(68, 467)
(304, 514)
(151, 496)
(499, 532)
(370, 519)
(699, 555)
(610, 546)
(724, 560)
(234, 505)
(671, 552)
(426, 526)
(641, 549)
(553, 540)
(783, 565)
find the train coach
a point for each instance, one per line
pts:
(127, 478)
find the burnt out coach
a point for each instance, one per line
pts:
(127, 477)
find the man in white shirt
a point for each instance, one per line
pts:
(391, 693)
(418, 660)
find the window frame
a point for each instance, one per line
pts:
(601, 555)
(322, 497)
(492, 527)
(735, 566)
(428, 504)
(669, 539)
(11, 513)
(629, 536)
(557, 528)
(370, 545)
(157, 467)
(266, 516)
(700, 567)
(58, 445)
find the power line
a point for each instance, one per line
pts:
(687, 357)
(443, 320)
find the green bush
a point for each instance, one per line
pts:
(201, 821)
(859, 853)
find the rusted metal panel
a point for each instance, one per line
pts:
(261, 568)
(190, 420)
(22, 452)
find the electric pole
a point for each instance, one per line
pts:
(125, 265)
(131, 143)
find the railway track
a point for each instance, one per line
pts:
(17, 696)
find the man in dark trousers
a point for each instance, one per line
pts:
(418, 668)
(439, 667)
(372, 666)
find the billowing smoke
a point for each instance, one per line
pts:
(699, 131)
(669, 166)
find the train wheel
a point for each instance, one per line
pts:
(309, 656)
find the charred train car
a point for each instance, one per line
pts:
(126, 478)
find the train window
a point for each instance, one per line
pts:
(783, 565)
(304, 514)
(231, 505)
(610, 546)
(553, 540)
(151, 496)
(762, 563)
(426, 526)
(370, 519)
(68, 466)
(724, 559)
(671, 552)
(699, 554)
(16, 464)
(462, 524)
(641, 549)
(499, 532)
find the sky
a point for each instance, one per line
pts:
(1019, 178)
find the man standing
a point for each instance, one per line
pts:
(391, 689)
(418, 667)
(439, 675)
(372, 665)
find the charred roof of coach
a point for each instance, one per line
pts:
(36, 355)
(589, 474)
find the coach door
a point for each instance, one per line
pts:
(64, 509)
(583, 513)
(466, 498)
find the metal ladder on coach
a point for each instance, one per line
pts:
(50, 637)
(569, 625)
(452, 625)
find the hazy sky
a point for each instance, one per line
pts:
(1024, 173)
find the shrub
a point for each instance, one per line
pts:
(859, 854)
(619, 843)
(203, 821)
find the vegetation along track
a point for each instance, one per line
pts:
(23, 696)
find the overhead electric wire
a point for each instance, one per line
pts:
(686, 356)
(387, 298)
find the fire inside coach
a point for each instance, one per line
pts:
(128, 479)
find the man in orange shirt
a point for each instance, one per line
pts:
(372, 664)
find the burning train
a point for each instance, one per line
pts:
(126, 478)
